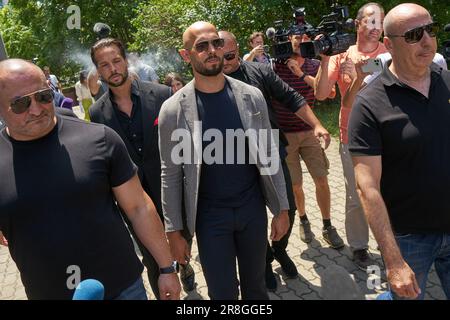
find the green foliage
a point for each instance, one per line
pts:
(37, 29)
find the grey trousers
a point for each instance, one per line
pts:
(356, 225)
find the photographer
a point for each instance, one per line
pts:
(341, 69)
(257, 53)
(298, 73)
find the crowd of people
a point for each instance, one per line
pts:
(140, 164)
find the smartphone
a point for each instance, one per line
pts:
(372, 66)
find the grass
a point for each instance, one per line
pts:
(328, 113)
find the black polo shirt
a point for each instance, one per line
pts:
(132, 125)
(412, 134)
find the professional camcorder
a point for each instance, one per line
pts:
(334, 27)
(446, 45)
(336, 38)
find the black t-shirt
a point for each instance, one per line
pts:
(412, 134)
(57, 208)
(224, 184)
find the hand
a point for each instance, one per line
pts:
(3, 240)
(347, 70)
(358, 67)
(322, 134)
(295, 66)
(403, 281)
(169, 286)
(259, 50)
(280, 226)
(179, 247)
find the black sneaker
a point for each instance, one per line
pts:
(287, 265)
(271, 281)
(187, 277)
(306, 235)
(363, 259)
(331, 236)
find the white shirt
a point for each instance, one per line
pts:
(384, 57)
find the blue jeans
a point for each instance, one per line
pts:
(134, 292)
(420, 252)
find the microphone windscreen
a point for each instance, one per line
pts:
(89, 289)
(270, 33)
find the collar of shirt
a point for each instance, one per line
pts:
(389, 79)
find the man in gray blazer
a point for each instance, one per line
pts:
(225, 204)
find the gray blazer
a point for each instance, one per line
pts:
(180, 182)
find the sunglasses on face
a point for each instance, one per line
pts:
(204, 45)
(415, 35)
(229, 56)
(21, 104)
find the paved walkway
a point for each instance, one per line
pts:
(312, 260)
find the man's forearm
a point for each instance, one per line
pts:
(322, 87)
(378, 219)
(307, 115)
(350, 95)
(150, 231)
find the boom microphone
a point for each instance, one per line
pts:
(89, 289)
(102, 30)
(270, 33)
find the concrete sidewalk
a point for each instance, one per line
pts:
(311, 260)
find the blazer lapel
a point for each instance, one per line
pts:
(248, 111)
(149, 117)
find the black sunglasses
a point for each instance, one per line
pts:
(21, 104)
(204, 45)
(229, 56)
(416, 34)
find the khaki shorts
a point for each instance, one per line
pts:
(306, 145)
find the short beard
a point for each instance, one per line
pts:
(199, 68)
(124, 79)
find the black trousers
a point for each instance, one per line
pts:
(227, 234)
(281, 245)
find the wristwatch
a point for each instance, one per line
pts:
(172, 269)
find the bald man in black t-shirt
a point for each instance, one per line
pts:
(61, 178)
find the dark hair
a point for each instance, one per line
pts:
(173, 76)
(83, 75)
(360, 14)
(105, 43)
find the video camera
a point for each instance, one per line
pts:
(446, 45)
(282, 48)
(335, 28)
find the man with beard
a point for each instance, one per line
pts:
(131, 108)
(61, 179)
(224, 201)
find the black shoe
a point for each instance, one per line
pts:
(187, 277)
(363, 259)
(271, 281)
(306, 234)
(287, 265)
(331, 236)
